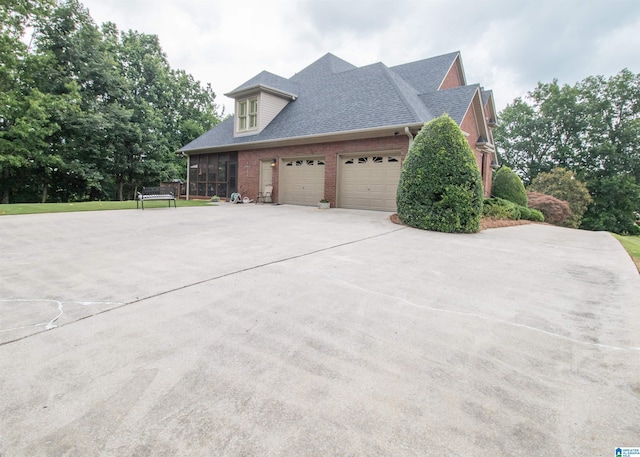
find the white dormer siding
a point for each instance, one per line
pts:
(269, 107)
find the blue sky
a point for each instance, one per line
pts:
(506, 45)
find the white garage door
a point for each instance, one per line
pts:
(302, 181)
(369, 182)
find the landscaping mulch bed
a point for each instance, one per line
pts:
(485, 222)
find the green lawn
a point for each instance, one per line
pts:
(34, 208)
(632, 245)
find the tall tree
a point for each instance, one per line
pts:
(88, 112)
(25, 112)
(590, 128)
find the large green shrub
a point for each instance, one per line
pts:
(440, 186)
(508, 185)
(563, 184)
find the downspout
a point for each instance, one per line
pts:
(408, 133)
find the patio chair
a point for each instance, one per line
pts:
(266, 194)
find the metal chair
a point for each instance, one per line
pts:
(265, 194)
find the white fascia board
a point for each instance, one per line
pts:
(308, 139)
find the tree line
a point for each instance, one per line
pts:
(592, 129)
(89, 112)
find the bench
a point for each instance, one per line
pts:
(156, 193)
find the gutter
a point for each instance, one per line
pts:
(302, 139)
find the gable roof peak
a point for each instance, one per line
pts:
(426, 75)
(326, 65)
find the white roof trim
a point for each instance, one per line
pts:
(246, 91)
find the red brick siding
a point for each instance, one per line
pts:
(249, 179)
(487, 115)
(470, 126)
(453, 78)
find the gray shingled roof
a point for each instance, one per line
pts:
(335, 96)
(426, 75)
(455, 101)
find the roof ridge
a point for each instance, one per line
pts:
(395, 79)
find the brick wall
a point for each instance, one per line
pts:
(249, 161)
(453, 78)
(470, 126)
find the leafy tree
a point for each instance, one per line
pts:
(563, 184)
(615, 205)
(88, 112)
(440, 186)
(508, 185)
(590, 128)
(25, 114)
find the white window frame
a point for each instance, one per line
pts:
(247, 117)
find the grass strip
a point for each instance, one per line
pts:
(39, 208)
(632, 245)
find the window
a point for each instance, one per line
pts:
(253, 113)
(213, 174)
(248, 114)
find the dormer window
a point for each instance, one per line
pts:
(248, 114)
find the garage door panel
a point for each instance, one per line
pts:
(302, 181)
(369, 181)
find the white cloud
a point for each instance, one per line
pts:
(506, 46)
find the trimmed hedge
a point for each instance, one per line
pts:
(508, 185)
(440, 186)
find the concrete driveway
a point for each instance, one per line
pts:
(243, 330)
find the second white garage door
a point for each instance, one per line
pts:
(369, 182)
(302, 181)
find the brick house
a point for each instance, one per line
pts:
(336, 131)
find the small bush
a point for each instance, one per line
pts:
(555, 211)
(499, 208)
(525, 213)
(440, 186)
(508, 185)
(536, 215)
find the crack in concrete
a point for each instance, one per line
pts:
(52, 323)
(490, 319)
(186, 286)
